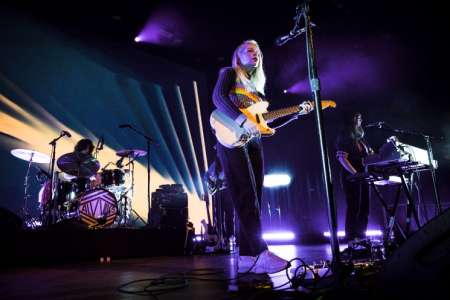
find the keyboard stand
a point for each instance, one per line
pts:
(411, 212)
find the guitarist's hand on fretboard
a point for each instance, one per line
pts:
(305, 107)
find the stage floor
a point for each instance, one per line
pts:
(96, 280)
(207, 275)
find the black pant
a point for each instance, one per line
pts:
(241, 193)
(357, 216)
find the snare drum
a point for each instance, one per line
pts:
(112, 177)
(97, 208)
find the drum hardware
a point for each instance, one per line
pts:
(71, 194)
(51, 215)
(77, 169)
(78, 164)
(99, 146)
(97, 208)
(111, 177)
(133, 153)
(32, 157)
(125, 198)
(148, 141)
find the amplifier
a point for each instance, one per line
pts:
(169, 207)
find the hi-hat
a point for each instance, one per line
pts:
(78, 164)
(131, 153)
(34, 156)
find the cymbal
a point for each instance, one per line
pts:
(131, 153)
(27, 154)
(78, 164)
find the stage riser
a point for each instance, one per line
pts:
(65, 246)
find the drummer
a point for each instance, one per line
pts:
(80, 163)
(85, 146)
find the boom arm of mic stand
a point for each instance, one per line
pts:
(144, 135)
(53, 205)
(149, 140)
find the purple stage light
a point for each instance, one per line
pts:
(300, 87)
(278, 236)
(345, 66)
(165, 27)
(197, 238)
(340, 233)
(373, 232)
(370, 232)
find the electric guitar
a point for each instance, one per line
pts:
(231, 135)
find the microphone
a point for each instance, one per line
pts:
(119, 162)
(101, 143)
(65, 133)
(125, 126)
(281, 40)
(378, 124)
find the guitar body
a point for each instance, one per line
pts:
(254, 113)
(231, 135)
(227, 131)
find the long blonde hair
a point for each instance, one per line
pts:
(257, 80)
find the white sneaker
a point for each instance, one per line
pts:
(268, 262)
(246, 264)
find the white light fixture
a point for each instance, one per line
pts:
(278, 236)
(276, 180)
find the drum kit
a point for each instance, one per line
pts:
(97, 198)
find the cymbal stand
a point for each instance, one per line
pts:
(127, 195)
(149, 141)
(28, 220)
(52, 217)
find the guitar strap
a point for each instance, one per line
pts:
(250, 95)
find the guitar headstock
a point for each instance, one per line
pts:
(327, 103)
(324, 103)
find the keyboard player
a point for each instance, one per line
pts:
(351, 149)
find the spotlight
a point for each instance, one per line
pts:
(340, 233)
(276, 180)
(197, 238)
(374, 233)
(285, 91)
(370, 232)
(278, 236)
(137, 39)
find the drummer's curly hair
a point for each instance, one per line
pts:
(84, 144)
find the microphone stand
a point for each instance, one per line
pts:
(53, 204)
(148, 140)
(427, 138)
(302, 11)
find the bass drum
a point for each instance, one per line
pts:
(97, 208)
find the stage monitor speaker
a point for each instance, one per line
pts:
(422, 262)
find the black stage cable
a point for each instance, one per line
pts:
(180, 280)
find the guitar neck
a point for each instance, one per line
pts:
(275, 114)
